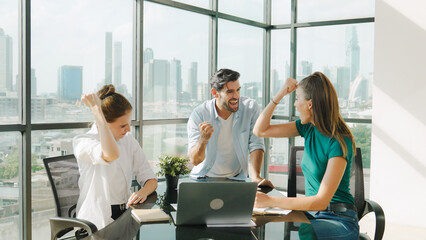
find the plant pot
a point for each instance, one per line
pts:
(172, 181)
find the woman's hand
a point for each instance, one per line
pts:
(137, 197)
(91, 100)
(288, 87)
(262, 200)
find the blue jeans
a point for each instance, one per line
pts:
(332, 225)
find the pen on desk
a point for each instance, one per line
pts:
(260, 183)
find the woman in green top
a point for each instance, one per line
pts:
(326, 163)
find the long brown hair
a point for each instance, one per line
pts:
(114, 105)
(325, 109)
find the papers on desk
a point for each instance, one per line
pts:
(150, 215)
(270, 211)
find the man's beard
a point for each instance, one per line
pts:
(227, 107)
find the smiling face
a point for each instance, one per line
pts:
(227, 99)
(303, 106)
(121, 125)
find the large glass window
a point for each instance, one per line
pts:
(46, 144)
(312, 10)
(280, 67)
(240, 49)
(250, 9)
(10, 148)
(344, 54)
(198, 3)
(10, 104)
(280, 12)
(164, 139)
(175, 68)
(77, 50)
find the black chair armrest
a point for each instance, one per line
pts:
(58, 224)
(372, 206)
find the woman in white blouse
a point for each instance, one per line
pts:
(108, 156)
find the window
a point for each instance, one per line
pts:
(10, 104)
(312, 10)
(249, 9)
(240, 49)
(281, 11)
(10, 156)
(43, 203)
(87, 49)
(344, 54)
(175, 62)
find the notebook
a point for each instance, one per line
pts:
(150, 215)
(215, 203)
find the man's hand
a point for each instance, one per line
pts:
(262, 182)
(137, 197)
(206, 130)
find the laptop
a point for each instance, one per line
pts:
(215, 203)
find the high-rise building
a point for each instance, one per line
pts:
(275, 82)
(108, 57)
(70, 82)
(305, 68)
(343, 82)
(117, 63)
(148, 55)
(352, 52)
(192, 80)
(175, 89)
(33, 83)
(6, 62)
(156, 80)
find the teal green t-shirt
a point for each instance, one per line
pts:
(318, 150)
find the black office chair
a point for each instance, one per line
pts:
(63, 176)
(296, 185)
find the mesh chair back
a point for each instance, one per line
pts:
(63, 176)
(296, 180)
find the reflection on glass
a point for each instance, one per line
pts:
(281, 11)
(240, 49)
(280, 67)
(345, 55)
(46, 144)
(164, 139)
(312, 10)
(77, 50)
(198, 3)
(9, 80)
(250, 9)
(175, 62)
(9, 184)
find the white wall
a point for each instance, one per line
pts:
(398, 147)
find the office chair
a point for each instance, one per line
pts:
(296, 185)
(63, 177)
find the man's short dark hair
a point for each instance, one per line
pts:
(222, 77)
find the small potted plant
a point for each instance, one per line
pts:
(171, 167)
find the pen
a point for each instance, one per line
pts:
(260, 183)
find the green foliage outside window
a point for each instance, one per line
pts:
(362, 135)
(9, 168)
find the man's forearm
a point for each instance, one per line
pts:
(198, 152)
(256, 160)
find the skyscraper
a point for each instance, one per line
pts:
(6, 62)
(70, 82)
(352, 52)
(156, 80)
(175, 88)
(192, 77)
(305, 68)
(117, 63)
(343, 82)
(108, 57)
(33, 83)
(148, 55)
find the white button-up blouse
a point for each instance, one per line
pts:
(99, 179)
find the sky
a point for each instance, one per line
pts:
(73, 33)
